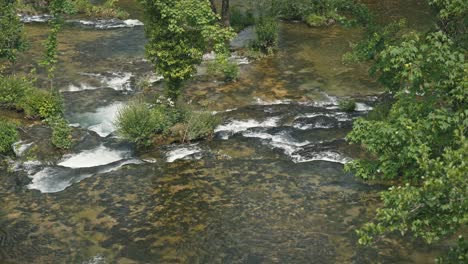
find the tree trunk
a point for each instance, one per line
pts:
(213, 6)
(225, 15)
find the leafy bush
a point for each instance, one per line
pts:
(199, 124)
(19, 93)
(108, 9)
(229, 70)
(293, 10)
(8, 136)
(241, 20)
(13, 90)
(42, 104)
(61, 132)
(12, 37)
(138, 123)
(315, 20)
(348, 105)
(267, 30)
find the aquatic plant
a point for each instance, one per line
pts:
(347, 105)
(267, 32)
(223, 67)
(315, 20)
(106, 10)
(199, 125)
(241, 19)
(8, 136)
(137, 122)
(61, 132)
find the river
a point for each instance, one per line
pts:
(269, 188)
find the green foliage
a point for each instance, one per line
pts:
(457, 254)
(377, 38)
(12, 90)
(57, 9)
(61, 132)
(12, 38)
(223, 67)
(107, 10)
(453, 19)
(200, 124)
(8, 136)
(17, 92)
(240, 19)
(322, 12)
(138, 123)
(348, 105)
(315, 20)
(267, 31)
(421, 144)
(41, 104)
(179, 32)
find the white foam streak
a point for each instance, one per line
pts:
(95, 157)
(237, 126)
(181, 153)
(101, 121)
(362, 107)
(118, 81)
(329, 156)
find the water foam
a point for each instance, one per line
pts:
(330, 156)
(181, 153)
(100, 121)
(94, 157)
(119, 81)
(237, 126)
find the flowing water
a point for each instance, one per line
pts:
(269, 188)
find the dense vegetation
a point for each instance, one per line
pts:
(144, 122)
(179, 33)
(420, 143)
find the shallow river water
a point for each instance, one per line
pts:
(269, 188)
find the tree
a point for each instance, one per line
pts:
(179, 32)
(12, 39)
(420, 145)
(57, 9)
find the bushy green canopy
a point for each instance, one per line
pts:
(12, 39)
(179, 32)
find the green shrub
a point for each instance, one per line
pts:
(315, 20)
(42, 104)
(8, 136)
(241, 20)
(13, 90)
(138, 123)
(348, 105)
(294, 10)
(266, 30)
(106, 10)
(61, 132)
(228, 70)
(200, 124)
